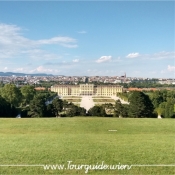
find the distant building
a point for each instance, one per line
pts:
(123, 78)
(87, 89)
(167, 81)
(117, 81)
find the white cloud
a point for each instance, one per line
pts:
(69, 45)
(13, 43)
(63, 41)
(171, 68)
(159, 56)
(38, 54)
(56, 40)
(155, 56)
(133, 55)
(104, 59)
(76, 60)
(163, 55)
(41, 69)
(5, 68)
(11, 35)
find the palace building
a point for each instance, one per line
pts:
(87, 89)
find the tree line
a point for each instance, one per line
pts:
(156, 103)
(139, 106)
(28, 102)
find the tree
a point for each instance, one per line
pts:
(164, 106)
(50, 110)
(57, 106)
(120, 110)
(159, 111)
(102, 111)
(37, 107)
(11, 94)
(73, 111)
(109, 108)
(81, 111)
(6, 110)
(125, 110)
(140, 105)
(157, 98)
(169, 109)
(28, 92)
(65, 104)
(97, 111)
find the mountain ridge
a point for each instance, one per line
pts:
(23, 74)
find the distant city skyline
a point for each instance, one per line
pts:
(95, 38)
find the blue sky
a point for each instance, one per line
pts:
(89, 38)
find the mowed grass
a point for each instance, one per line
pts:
(87, 140)
(100, 101)
(79, 97)
(72, 100)
(104, 100)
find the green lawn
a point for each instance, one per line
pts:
(72, 100)
(100, 101)
(85, 140)
(104, 100)
(79, 97)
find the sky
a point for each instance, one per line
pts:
(88, 38)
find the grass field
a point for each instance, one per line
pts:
(79, 97)
(72, 100)
(87, 141)
(100, 101)
(104, 100)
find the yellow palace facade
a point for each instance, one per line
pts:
(87, 89)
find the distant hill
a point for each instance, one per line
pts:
(22, 74)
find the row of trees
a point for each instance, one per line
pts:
(146, 84)
(6, 109)
(158, 103)
(161, 103)
(56, 108)
(17, 97)
(30, 103)
(139, 106)
(124, 96)
(164, 103)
